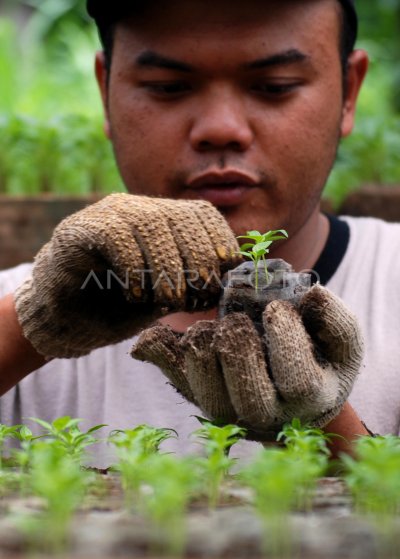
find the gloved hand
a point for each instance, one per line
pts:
(115, 266)
(303, 366)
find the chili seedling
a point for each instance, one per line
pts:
(65, 430)
(308, 446)
(259, 247)
(7, 432)
(374, 481)
(59, 480)
(373, 476)
(275, 478)
(171, 483)
(217, 442)
(135, 446)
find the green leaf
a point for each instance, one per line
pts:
(275, 235)
(65, 422)
(96, 428)
(244, 253)
(246, 246)
(247, 237)
(261, 246)
(42, 423)
(256, 237)
(259, 253)
(25, 432)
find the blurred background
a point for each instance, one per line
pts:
(51, 138)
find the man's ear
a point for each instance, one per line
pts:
(102, 81)
(356, 71)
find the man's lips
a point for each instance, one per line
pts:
(222, 189)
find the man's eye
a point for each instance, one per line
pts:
(274, 89)
(167, 88)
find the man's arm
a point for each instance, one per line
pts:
(17, 356)
(349, 426)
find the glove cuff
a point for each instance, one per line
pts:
(42, 329)
(324, 419)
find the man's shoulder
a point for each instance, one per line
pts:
(373, 249)
(371, 225)
(373, 234)
(12, 278)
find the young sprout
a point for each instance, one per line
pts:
(143, 439)
(259, 247)
(65, 430)
(275, 478)
(217, 442)
(171, 482)
(60, 482)
(23, 456)
(10, 479)
(7, 432)
(303, 439)
(373, 475)
(134, 447)
(308, 446)
(374, 481)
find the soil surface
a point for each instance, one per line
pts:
(104, 529)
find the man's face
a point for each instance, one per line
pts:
(239, 103)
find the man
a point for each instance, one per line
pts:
(242, 105)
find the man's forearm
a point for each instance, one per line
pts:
(17, 356)
(349, 426)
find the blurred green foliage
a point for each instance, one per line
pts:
(371, 155)
(51, 130)
(51, 135)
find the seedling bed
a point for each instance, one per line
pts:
(153, 504)
(102, 528)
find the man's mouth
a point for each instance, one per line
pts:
(223, 189)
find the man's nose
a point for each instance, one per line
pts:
(221, 122)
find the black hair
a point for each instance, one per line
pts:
(347, 37)
(347, 40)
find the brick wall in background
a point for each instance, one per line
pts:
(378, 201)
(26, 224)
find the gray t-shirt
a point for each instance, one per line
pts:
(108, 386)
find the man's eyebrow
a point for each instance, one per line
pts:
(280, 59)
(150, 59)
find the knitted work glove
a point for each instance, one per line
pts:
(304, 365)
(115, 266)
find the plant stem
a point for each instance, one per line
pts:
(265, 270)
(256, 260)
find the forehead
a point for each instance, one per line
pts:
(193, 28)
(193, 16)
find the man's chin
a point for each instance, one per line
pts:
(241, 220)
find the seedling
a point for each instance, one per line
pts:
(23, 455)
(7, 432)
(259, 247)
(135, 446)
(373, 478)
(171, 483)
(308, 446)
(57, 478)
(217, 443)
(275, 478)
(143, 439)
(303, 439)
(65, 430)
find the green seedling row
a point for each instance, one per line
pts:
(162, 487)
